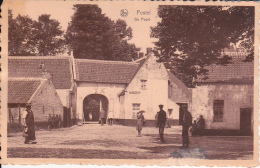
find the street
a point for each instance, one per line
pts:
(92, 141)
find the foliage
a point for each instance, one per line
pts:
(28, 37)
(92, 35)
(192, 37)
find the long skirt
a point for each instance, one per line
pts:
(31, 134)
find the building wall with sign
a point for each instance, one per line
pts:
(110, 91)
(147, 90)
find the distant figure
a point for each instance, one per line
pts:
(110, 118)
(161, 121)
(156, 119)
(28, 121)
(187, 122)
(60, 121)
(90, 116)
(194, 129)
(139, 122)
(102, 115)
(168, 125)
(50, 122)
(201, 125)
(56, 121)
(53, 121)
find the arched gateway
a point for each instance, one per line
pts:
(92, 105)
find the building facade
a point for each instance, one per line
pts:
(225, 98)
(40, 93)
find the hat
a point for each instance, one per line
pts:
(142, 111)
(160, 105)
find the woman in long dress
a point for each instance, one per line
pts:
(29, 126)
(140, 122)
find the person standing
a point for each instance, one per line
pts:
(139, 122)
(50, 122)
(28, 121)
(161, 122)
(110, 118)
(187, 122)
(201, 125)
(102, 114)
(60, 121)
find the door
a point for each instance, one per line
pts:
(245, 121)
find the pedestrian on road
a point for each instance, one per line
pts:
(187, 122)
(60, 121)
(50, 122)
(110, 118)
(201, 125)
(140, 122)
(161, 121)
(102, 115)
(56, 121)
(28, 121)
(194, 128)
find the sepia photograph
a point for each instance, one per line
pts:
(130, 81)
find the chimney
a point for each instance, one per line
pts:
(149, 51)
(141, 54)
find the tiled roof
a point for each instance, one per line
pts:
(60, 67)
(21, 90)
(180, 85)
(238, 72)
(105, 71)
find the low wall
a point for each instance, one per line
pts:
(148, 123)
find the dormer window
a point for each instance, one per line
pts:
(143, 84)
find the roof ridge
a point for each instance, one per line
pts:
(26, 79)
(139, 59)
(107, 61)
(39, 57)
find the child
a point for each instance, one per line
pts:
(140, 122)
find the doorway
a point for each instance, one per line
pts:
(92, 105)
(245, 121)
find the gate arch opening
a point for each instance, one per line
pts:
(92, 105)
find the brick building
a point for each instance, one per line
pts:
(39, 92)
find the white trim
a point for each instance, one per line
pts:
(36, 91)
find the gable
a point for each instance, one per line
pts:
(34, 66)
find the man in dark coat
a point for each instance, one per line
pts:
(29, 126)
(187, 122)
(161, 121)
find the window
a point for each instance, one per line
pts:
(143, 84)
(136, 108)
(218, 109)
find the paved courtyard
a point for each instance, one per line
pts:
(92, 141)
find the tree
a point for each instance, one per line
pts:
(92, 35)
(19, 35)
(48, 36)
(27, 37)
(192, 37)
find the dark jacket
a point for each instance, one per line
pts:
(187, 119)
(161, 117)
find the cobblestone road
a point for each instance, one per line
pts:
(121, 142)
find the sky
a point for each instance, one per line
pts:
(140, 17)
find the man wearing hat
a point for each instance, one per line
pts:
(28, 122)
(161, 121)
